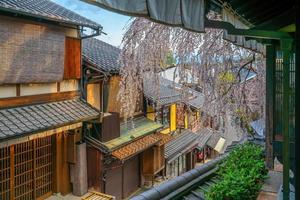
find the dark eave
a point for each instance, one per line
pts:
(265, 15)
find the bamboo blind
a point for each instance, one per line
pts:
(30, 53)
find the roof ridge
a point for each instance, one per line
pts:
(48, 10)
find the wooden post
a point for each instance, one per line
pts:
(12, 172)
(34, 168)
(286, 49)
(270, 94)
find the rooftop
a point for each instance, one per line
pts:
(102, 55)
(184, 142)
(161, 94)
(168, 92)
(30, 119)
(47, 10)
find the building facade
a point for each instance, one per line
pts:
(42, 113)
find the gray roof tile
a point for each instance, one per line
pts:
(47, 10)
(102, 55)
(162, 95)
(32, 118)
(186, 139)
(168, 93)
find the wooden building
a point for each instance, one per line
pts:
(120, 157)
(117, 166)
(41, 112)
(182, 121)
(161, 104)
(181, 152)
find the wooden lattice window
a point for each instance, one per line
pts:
(5, 173)
(26, 170)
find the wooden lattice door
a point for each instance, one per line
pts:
(5, 173)
(26, 170)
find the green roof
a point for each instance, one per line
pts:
(132, 131)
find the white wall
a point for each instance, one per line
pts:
(7, 91)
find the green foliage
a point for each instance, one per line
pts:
(170, 60)
(227, 77)
(242, 175)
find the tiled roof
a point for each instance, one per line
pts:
(161, 94)
(184, 142)
(48, 10)
(102, 55)
(30, 119)
(196, 99)
(142, 127)
(206, 134)
(168, 92)
(135, 147)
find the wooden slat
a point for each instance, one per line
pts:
(12, 172)
(5, 173)
(26, 170)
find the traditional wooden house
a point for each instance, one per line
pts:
(181, 152)
(182, 120)
(121, 155)
(160, 104)
(41, 112)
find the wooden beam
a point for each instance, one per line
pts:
(58, 86)
(18, 90)
(34, 99)
(56, 150)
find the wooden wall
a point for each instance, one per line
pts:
(153, 160)
(72, 58)
(94, 95)
(94, 168)
(114, 86)
(64, 155)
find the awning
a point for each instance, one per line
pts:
(188, 14)
(135, 147)
(182, 13)
(25, 120)
(216, 142)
